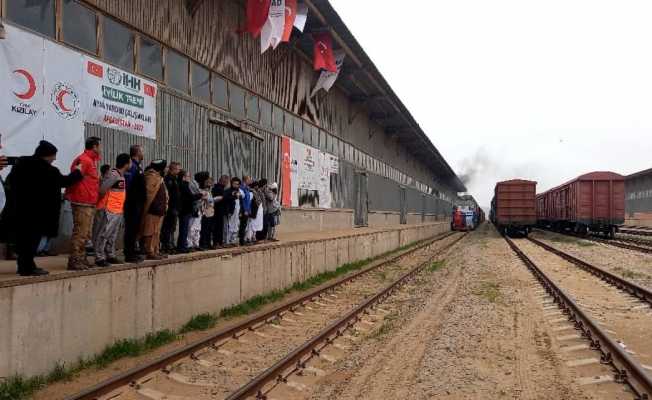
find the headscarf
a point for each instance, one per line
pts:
(158, 166)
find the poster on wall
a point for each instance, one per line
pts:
(307, 174)
(21, 98)
(119, 99)
(49, 91)
(64, 96)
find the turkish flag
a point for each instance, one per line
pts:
(257, 13)
(323, 52)
(290, 16)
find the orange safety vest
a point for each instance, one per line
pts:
(113, 200)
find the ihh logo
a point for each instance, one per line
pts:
(123, 79)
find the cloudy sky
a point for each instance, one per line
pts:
(544, 90)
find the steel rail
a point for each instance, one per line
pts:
(614, 242)
(295, 361)
(626, 369)
(621, 283)
(133, 374)
(636, 232)
(641, 241)
(611, 242)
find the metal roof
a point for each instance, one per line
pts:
(363, 82)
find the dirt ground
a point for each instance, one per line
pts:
(478, 328)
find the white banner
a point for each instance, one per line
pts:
(21, 98)
(50, 91)
(119, 100)
(64, 97)
(310, 175)
(272, 32)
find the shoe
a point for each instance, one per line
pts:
(77, 267)
(134, 259)
(86, 262)
(114, 260)
(90, 252)
(155, 257)
(41, 254)
(182, 251)
(35, 272)
(102, 263)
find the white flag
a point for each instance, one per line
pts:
(302, 17)
(327, 79)
(272, 32)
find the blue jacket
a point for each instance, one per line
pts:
(246, 202)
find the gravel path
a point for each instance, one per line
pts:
(473, 330)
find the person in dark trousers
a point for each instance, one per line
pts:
(219, 224)
(186, 211)
(172, 184)
(206, 240)
(247, 198)
(134, 204)
(34, 203)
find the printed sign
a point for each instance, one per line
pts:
(310, 175)
(119, 99)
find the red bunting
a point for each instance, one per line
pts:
(257, 13)
(323, 52)
(290, 16)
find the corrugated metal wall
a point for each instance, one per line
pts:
(186, 135)
(638, 195)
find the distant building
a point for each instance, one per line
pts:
(638, 198)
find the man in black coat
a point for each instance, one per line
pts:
(169, 228)
(34, 203)
(220, 209)
(134, 204)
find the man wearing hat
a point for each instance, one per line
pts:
(34, 203)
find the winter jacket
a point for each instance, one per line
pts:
(246, 199)
(112, 192)
(189, 199)
(173, 185)
(230, 199)
(86, 191)
(34, 197)
(135, 181)
(220, 206)
(272, 205)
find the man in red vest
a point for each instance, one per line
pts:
(83, 197)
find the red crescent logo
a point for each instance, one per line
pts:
(30, 81)
(60, 97)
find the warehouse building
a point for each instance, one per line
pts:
(223, 107)
(638, 198)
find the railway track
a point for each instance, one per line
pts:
(344, 302)
(574, 298)
(624, 243)
(636, 232)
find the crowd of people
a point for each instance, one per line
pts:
(162, 209)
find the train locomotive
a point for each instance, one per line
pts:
(513, 207)
(591, 203)
(467, 215)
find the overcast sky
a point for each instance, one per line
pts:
(543, 90)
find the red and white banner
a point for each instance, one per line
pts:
(272, 33)
(326, 78)
(286, 182)
(51, 90)
(64, 96)
(257, 13)
(21, 97)
(118, 99)
(290, 17)
(324, 59)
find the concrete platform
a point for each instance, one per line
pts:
(68, 315)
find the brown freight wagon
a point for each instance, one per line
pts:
(593, 202)
(513, 208)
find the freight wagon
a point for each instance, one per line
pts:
(513, 208)
(593, 202)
